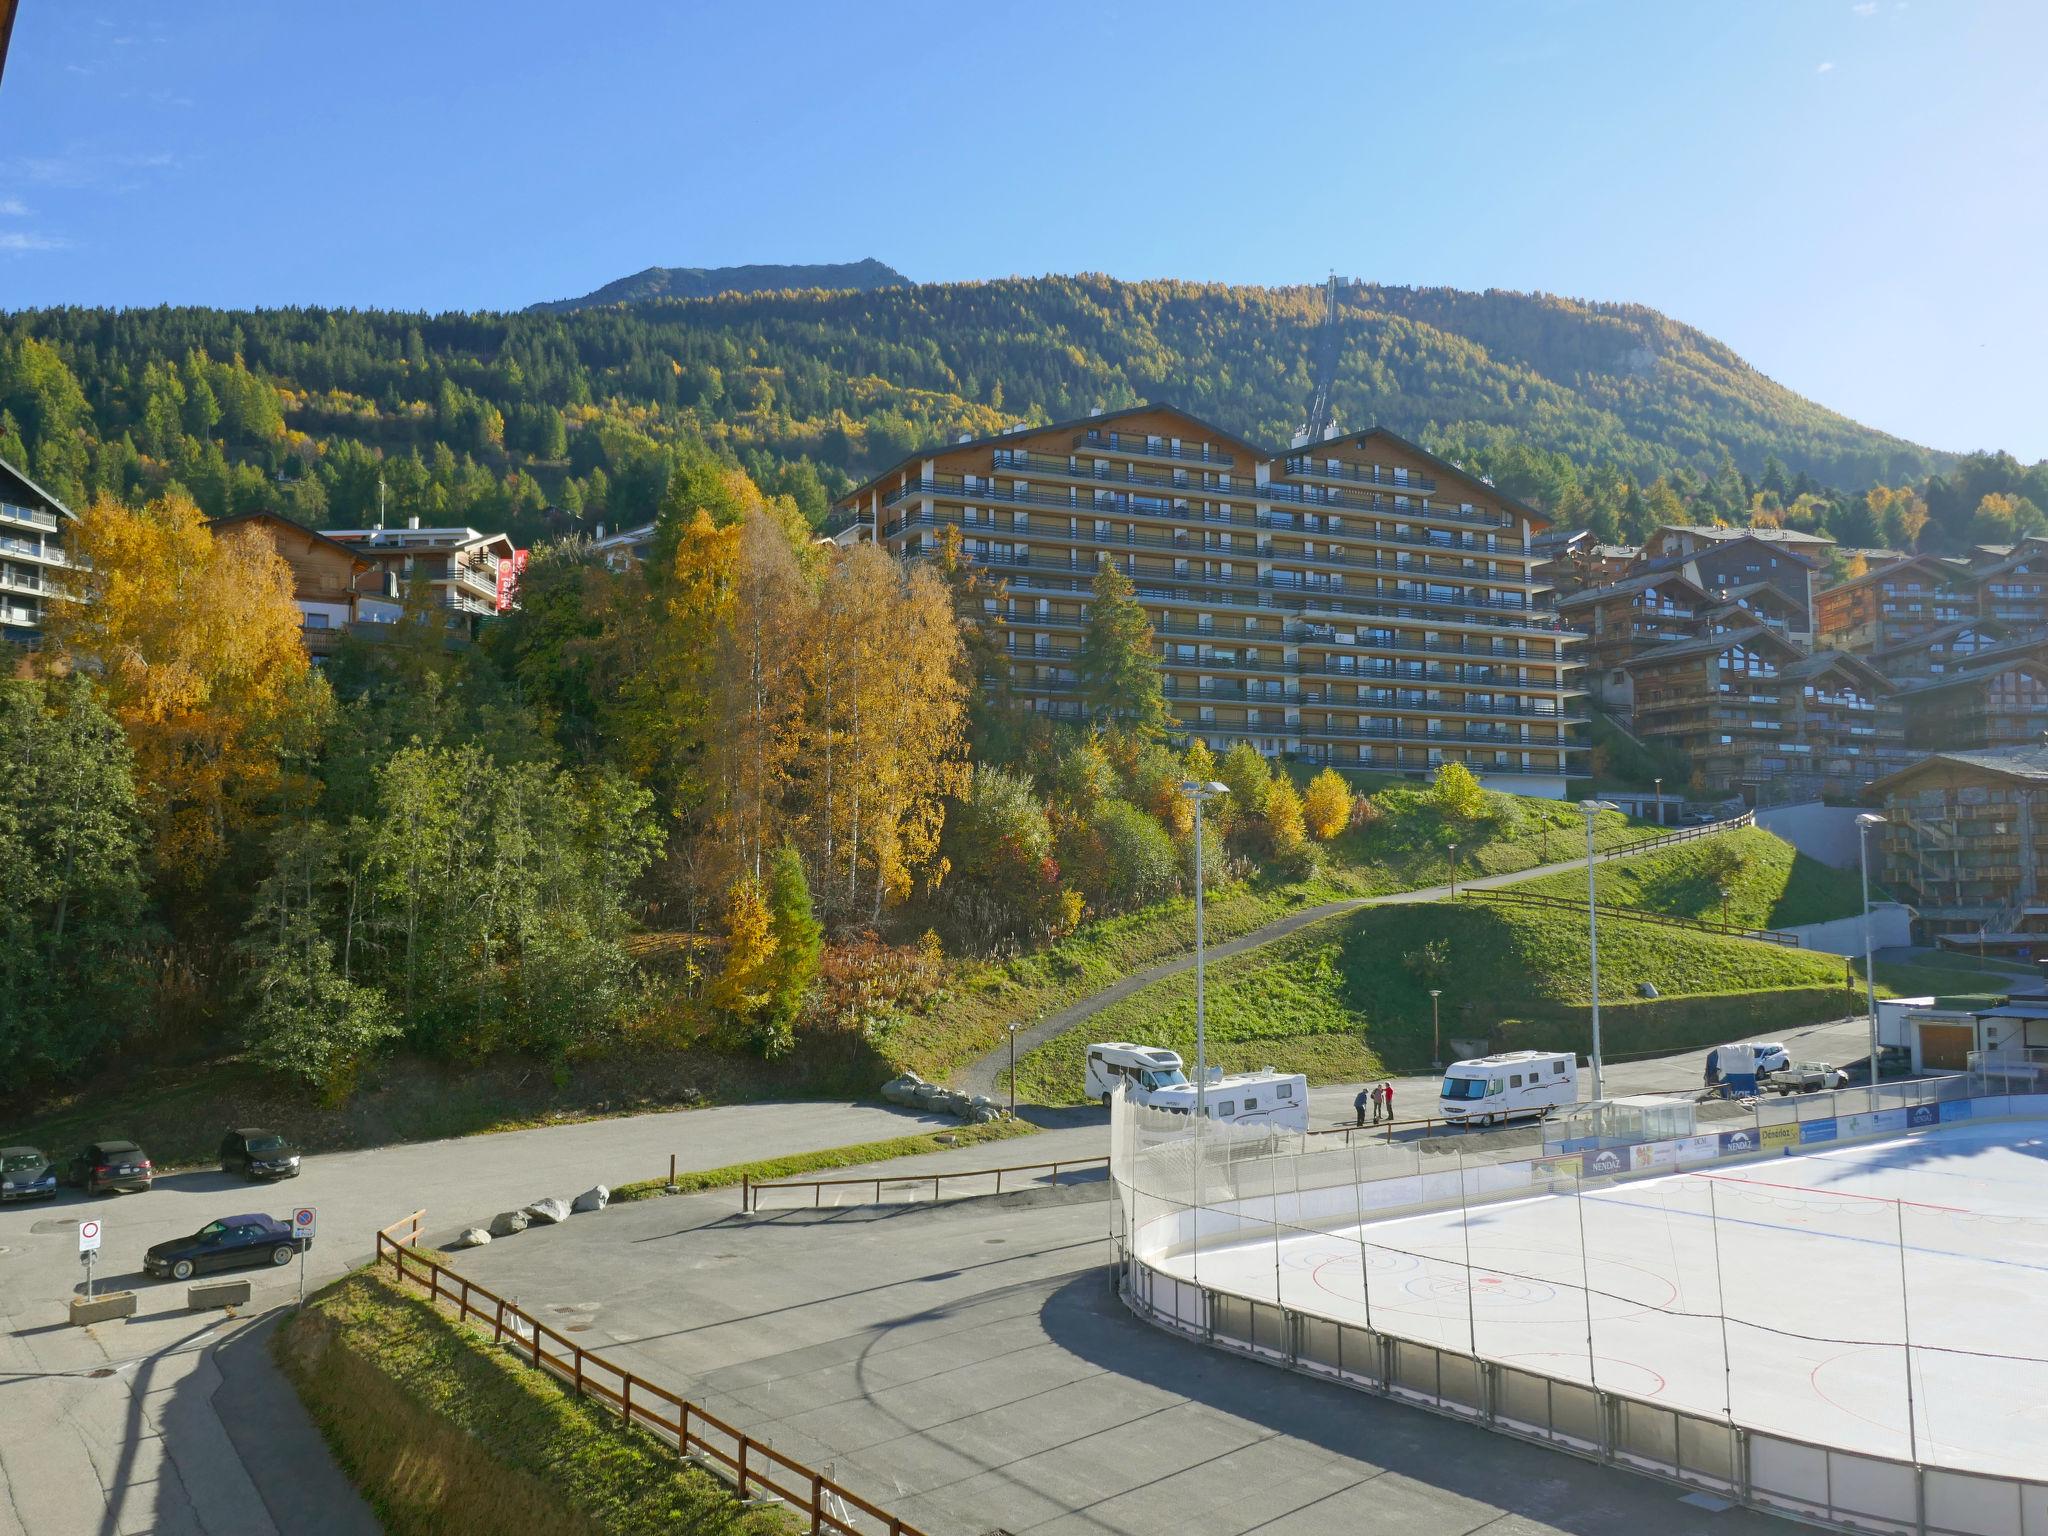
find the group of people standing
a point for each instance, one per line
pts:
(1382, 1098)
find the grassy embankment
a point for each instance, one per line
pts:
(858, 1155)
(1399, 850)
(1341, 1000)
(1749, 878)
(447, 1436)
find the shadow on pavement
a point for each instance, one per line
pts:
(1528, 1482)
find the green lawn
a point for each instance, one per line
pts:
(1770, 884)
(1955, 981)
(1340, 1000)
(1404, 848)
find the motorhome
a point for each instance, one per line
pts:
(1145, 1069)
(1276, 1100)
(1516, 1085)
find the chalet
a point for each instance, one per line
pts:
(1938, 652)
(2002, 701)
(1965, 840)
(1627, 620)
(1897, 602)
(1727, 559)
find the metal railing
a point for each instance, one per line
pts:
(1633, 914)
(753, 1467)
(910, 1186)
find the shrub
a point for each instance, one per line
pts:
(1326, 806)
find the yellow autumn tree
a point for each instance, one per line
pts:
(196, 639)
(744, 982)
(1284, 822)
(1326, 806)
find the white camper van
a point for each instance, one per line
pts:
(1516, 1085)
(1276, 1100)
(1145, 1069)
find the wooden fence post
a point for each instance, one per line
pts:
(817, 1502)
(578, 1353)
(743, 1467)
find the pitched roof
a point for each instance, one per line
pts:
(20, 484)
(1627, 585)
(1681, 650)
(1722, 535)
(2026, 765)
(264, 514)
(1826, 661)
(1945, 632)
(1985, 666)
(1926, 563)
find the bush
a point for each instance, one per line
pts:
(1138, 860)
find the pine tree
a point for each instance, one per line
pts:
(1119, 673)
(799, 940)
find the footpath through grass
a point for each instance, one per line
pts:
(854, 1156)
(1349, 997)
(446, 1435)
(1748, 877)
(1404, 847)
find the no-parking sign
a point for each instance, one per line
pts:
(88, 1236)
(303, 1220)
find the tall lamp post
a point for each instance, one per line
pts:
(1660, 801)
(1013, 1071)
(1864, 823)
(1593, 808)
(1201, 792)
(1436, 1034)
(1454, 871)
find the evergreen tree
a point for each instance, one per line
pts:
(1119, 673)
(799, 949)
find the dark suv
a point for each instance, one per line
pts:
(255, 1153)
(110, 1164)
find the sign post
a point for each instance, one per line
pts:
(88, 1249)
(304, 1222)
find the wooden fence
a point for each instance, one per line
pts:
(1515, 898)
(753, 1467)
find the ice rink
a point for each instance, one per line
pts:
(1782, 1292)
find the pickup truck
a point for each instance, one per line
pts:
(1803, 1077)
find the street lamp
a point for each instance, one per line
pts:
(1454, 871)
(1593, 808)
(1660, 801)
(1864, 823)
(1013, 1071)
(1200, 792)
(1436, 1034)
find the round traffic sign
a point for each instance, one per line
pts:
(88, 1230)
(303, 1216)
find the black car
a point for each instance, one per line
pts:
(255, 1153)
(25, 1174)
(232, 1243)
(108, 1164)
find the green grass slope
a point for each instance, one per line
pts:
(1341, 999)
(1768, 883)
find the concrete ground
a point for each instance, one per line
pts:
(968, 1367)
(176, 1421)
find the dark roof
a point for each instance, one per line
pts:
(354, 552)
(14, 480)
(1944, 632)
(1628, 584)
(1442, 466)
(1823, 661)
(2027, 764)
(1679, 650)
(1016, 432)
(1927, 563)
(1723, 535)
(1985, 666)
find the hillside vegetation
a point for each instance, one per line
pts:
(1349, 997)
(709, 282)
(1748, 878)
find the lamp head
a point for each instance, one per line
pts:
(1871, 819)
(1591, 806)
(1203, 789)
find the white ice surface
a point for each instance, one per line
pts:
(1802, 1253)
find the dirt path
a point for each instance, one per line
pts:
(984, 1074)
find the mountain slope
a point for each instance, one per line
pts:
(708, 282)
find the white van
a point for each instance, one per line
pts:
(1516, 1085)
(1276, 1100)
(1145, 1069)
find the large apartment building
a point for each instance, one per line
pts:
(1354, 601)
(32, 559)
(1894, 603)
(1965, 841)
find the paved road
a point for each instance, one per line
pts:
(189, 1428)
(983, 1075)
(969, 1368)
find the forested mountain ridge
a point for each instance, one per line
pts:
(709, 282)
(1609, 416)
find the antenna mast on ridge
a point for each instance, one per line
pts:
(1322, 420)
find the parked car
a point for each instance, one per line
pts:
(25, 1174)
(235, 1242)
(110, 1164)
(1771, 1058)
(1806, 1077)
(256, 1153)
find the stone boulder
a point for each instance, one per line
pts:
(475, 1237)
(505, 1223)
(546, 1213)
(593, 1199)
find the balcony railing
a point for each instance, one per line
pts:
(21, 549)
(1151, 447)
(1306, 464)
(1128, 503)
(28, 517)
(1037, 532)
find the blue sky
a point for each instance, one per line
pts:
(1848, 193)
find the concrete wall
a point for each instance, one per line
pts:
(1891, 925)
(1824, 832)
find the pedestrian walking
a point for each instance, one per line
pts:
(1358, 1107)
